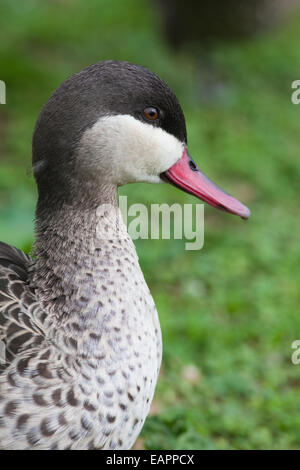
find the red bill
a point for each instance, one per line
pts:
(186, 175)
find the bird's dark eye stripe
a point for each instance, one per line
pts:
(151, 113)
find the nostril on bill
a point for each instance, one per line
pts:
(193, 165)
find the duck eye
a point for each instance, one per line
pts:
(151, 113)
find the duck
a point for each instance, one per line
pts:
(82, 344)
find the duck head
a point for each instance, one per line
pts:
(117, 123)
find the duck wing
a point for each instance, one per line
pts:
(14, 259)
(19, 328)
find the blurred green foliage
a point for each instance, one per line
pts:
(230, 311)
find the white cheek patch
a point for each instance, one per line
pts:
(123, 150)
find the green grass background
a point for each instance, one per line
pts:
(229, 312)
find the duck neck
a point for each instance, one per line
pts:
(88, 283)
(71, 244)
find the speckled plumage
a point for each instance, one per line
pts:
(83, 359)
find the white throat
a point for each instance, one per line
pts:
(122, 149)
